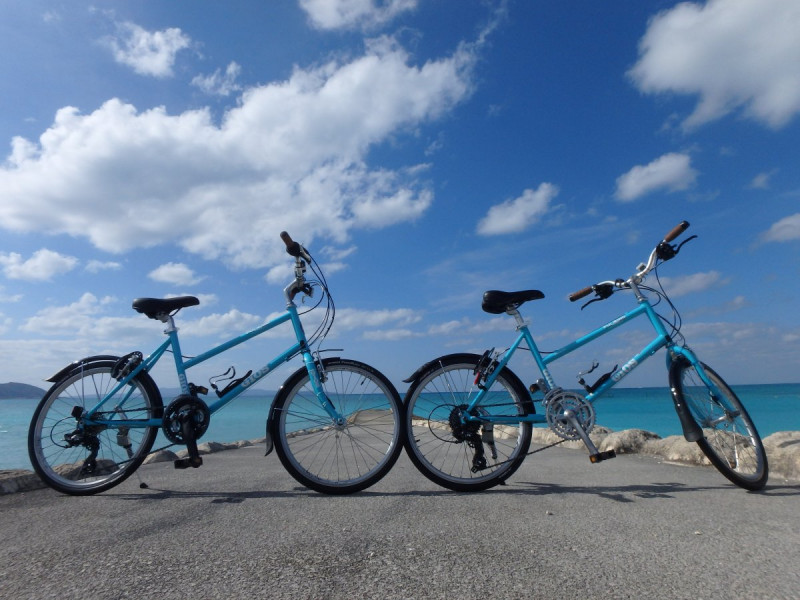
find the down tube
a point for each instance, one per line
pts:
(628, 367)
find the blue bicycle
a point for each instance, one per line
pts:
(468, 418)
(335, 422)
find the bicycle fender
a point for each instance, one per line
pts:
(469, 358)
(691, 430)
(431, 364)
(83, 362)
(282, 391)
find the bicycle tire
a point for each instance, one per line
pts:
(67, 465)
(444, 456)
(339, 459)
(730, 440)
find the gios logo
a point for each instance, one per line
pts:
(255, 377)
(626, 368)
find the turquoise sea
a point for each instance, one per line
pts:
(774, 407)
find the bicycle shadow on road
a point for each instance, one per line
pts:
(632, 492)
(616, 493)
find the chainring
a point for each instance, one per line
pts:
(557, 402)
(183, 408)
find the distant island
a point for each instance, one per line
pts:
(20, 391)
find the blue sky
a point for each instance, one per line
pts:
(423, 150)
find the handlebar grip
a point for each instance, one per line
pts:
(292, 247)
(287, 239)
(679, 229)
(580, 294)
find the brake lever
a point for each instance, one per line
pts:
(689, 239)
(666, 251)
(602, 292)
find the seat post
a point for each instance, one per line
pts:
(166, 318)
(514, 312)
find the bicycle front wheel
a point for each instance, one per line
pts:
(458, 455)
(730, 440)
(81, 459)
(338, 457)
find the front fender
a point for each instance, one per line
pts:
(691, 430)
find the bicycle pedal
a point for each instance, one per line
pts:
(601, 456)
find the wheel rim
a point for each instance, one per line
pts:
(66, 465)
(352, 451)
(728, 433)
(431, 434)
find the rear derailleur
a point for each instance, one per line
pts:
(469, 432)
(86, 437)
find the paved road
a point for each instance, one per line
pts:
(240, 527)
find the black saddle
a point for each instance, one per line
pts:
(154, 307)
(497, 302)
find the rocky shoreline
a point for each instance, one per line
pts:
(783, 453)
(782, 447)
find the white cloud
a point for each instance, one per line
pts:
(733, 54)
(218, 83)
(9, 298)
(174, 273)
(672, 171)
(295, 148)
(346, 14)
(513, 216)
(42, 266)
(689, 284)
(83, 319)
(232, 322)
(348, 318)
(147, 52)
(762, 180)
(51, 16)
(785, 230)
(95, 266)
(390, 335)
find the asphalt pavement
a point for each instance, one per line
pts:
(241, 527)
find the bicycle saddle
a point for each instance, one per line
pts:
(497, 302)
(153, 307)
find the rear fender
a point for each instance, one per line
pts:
(435, 364)
(82, 363)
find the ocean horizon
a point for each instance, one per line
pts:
(773, 407)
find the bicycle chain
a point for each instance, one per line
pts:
(542, 449)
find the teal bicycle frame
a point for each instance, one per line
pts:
(662, 340)
(172, 344)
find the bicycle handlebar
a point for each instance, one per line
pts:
(643, 269)
(294, 248)
(676, 231)
(580, 293)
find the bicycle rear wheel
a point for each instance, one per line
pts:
(79, 459)
(442, 447)
(730, 440)
(338, 458)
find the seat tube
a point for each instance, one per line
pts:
(174, 342)
(537, 357)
